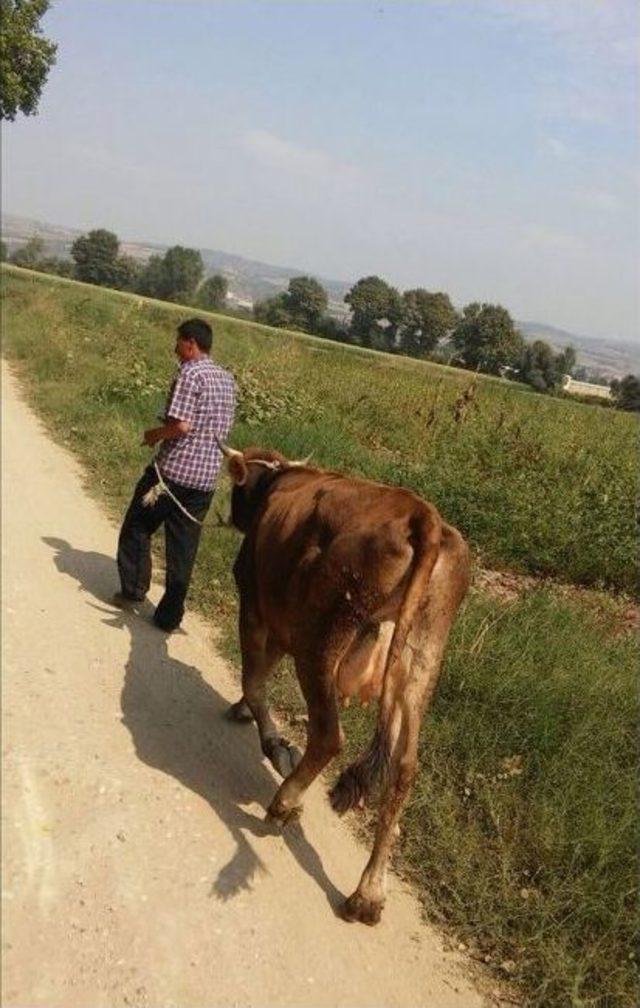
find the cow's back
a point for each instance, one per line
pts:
(324, 540)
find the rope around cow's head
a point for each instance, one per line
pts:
(231, 453)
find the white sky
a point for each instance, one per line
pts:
(487, 148)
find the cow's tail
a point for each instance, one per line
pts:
(370, 771)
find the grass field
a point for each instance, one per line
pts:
(521, 831)
(535, 483)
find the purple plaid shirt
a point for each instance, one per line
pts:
(205, 395)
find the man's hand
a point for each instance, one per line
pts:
(153, 435)
(172, 429)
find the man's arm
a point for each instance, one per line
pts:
(170, 430)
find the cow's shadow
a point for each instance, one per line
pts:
(177, 724)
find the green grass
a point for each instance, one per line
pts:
(521, 829)
(544, 692)
(520, 832)
(535, 483)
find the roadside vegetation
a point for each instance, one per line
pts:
(417, 323)
(521, 833)
(537, 484)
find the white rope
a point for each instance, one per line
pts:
(153, 495)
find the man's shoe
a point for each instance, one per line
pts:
(126, 602)
(165, 627)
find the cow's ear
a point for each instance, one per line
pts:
(238, 470)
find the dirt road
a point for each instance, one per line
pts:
(137, 869)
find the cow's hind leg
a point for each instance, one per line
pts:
(401, 712)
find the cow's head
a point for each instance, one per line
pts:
(252, 472)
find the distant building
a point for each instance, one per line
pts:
(584, 388)
(240, 302)
(511, 373)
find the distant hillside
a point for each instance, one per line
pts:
(251, 280)
(609, 358)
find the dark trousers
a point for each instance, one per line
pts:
(181, 541)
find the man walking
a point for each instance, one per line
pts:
(177, 488)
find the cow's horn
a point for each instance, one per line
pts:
(301, 462)
(228, 452)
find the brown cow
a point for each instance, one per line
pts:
(359, 583)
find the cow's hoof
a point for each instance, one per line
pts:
(284, 757)
(239, 712)
(280, 817)
(357, 908)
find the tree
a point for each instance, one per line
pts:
(538, 366)
(306, 301)
(332, 329)
(426, 319)
(151, 278)
(626, 393)
(174, 276)
(30, 254)
(26, 57)
(182, 270)
(273, 311)
(544, 369)
(4, 251)
(57, 266)
(376, 311)
(95, 256)
(566, 361)
(487, 339)
(301, 306)
(126, 273)
(212, 294)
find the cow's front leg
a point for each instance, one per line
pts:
(240, 712)
(324, 741)
(259, 656)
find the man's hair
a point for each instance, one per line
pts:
(197, 329)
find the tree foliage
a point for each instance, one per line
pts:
(212, 293)
(272, 311)
(30, 254)
(98, 261)
(333, 329)
(301, 306)
(566, 360)
(426, 319)
(183, 269)
(57, 265)
(26, 56)
(626, 393)
(376, 312)
(95, 257)
(126, 273)
(174, 276)
(486, 338)
(538, 367)
(306, 302)
(151, 278)
(544, 369)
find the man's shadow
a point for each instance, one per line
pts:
(177, 724)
